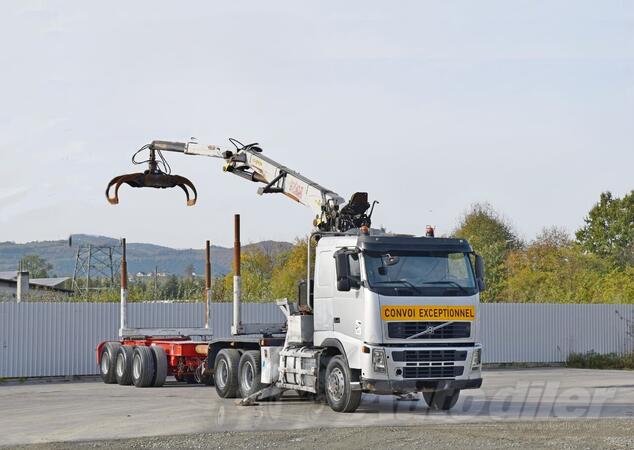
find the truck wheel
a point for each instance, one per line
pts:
(339, 394)
(161, 365)
(124, 365)
(108, 362)
(143, 367)
(226, 372)
(441, 400)
(249, 373)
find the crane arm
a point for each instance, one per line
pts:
(330, 211)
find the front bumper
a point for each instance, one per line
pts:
(407, 386)
(426, 368)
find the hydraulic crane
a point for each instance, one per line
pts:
(381, 313)
(331, 213)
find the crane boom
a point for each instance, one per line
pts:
(330, 211)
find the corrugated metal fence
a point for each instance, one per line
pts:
(57, 339)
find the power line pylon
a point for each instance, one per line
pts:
(95, 267)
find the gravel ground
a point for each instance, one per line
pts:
(553, 434)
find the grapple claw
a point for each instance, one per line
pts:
(133, 179)
(154, 178)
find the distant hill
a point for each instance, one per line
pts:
(141, 257)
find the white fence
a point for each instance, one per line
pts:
(59, 339)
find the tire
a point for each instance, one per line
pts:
(160, 360)
(226, 369)
(143, 367)
(108, 362)
(123, 367)
(339, 394)
(249, 373)
(441, 400)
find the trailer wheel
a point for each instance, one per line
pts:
(161, 365)
(143, 367)
(441, 400)
(339, 393)
(108, 361)
(226, 372)
(249, 373)
(124, 365)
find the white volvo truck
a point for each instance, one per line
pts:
(381, 313)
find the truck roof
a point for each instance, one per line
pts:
(384, 243)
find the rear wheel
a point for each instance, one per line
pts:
(124, 365)
(160, 358)
(441, 400)
(143, 367)
(226, 369)
(108, 362)
(249, 373)
(339, 393)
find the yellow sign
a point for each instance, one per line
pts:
(428, 313)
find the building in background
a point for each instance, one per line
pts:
(17, 286)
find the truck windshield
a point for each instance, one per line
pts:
(422, 274)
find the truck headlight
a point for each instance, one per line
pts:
(378, 359)
(476, 360)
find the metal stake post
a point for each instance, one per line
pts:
(208, 285)
(124, 289)
(237, 320)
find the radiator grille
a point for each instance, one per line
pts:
(403, 330)
(433, 372)
(429, 355)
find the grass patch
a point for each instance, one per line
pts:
(594, 360)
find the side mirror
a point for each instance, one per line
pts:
(343, 271)
(479, 269)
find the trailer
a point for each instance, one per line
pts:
(144, 357)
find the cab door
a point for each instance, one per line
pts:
(347, 306)
(325, 282)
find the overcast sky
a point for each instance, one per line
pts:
(429, 106)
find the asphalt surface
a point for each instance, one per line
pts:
(33, 413)
(556, 434)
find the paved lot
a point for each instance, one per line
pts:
(73, 411)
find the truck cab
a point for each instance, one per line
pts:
(403, 310)
(385, 314)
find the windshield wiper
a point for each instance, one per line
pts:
(405, 282)
(452, 283)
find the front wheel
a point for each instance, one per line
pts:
(441, 400)
(339, 393)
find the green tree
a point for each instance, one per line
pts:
(37, 266)
(609, 229)
(170, 289)
(554, 269)
(255, 278)
(492, 237)
(289, 270)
